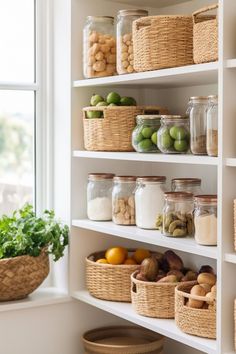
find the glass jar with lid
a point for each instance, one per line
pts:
(123, 204)
(149, 200)
(99, 47)
(99, 196)
(212, 126)
(144, 136)
(198, 124)
(205, 219)
(189, 185)
(125, 56)
(178, 214)
(173, 135)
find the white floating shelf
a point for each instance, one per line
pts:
(230, 257)
(182, 76)
(152, 237)
(231, 162)
(162, 158)
(164, 327)
(231, 63)
(150, 3)
(41, 297)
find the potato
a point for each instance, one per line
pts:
(199, 291)
(206, 287)
(206, 278)
(211, 297)
(169, 279)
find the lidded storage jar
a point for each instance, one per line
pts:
(189, 185)
(125, 55)
(99, 48)
(178, 214)
(173, 136)
(123, 205)
(205, 219)
(212, 126)
(144, 136)
(198, 124)
(149, 200)
(99, 196)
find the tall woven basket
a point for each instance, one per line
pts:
(198, 322)
(162, 42)
(113, 132)
(205, 35)
(20, 276)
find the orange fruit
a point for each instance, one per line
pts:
(116, 255)
(140, 254)
(102, 260)
(130, 261)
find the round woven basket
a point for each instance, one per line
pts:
(153, 299)
(107, 281)
(162, 42)
(20, 276)
(122, 340)
(198, 322)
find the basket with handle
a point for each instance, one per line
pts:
(162, 42)
(205, 35)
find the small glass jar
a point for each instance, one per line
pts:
(125, 56)
(198, 124)
(99, 196)
(149, 200)
(189, 185)
(144, 136)
(178, 214)
(212, 126)
(205, 219)
(99, 47)
(173, 136)
(123, 204)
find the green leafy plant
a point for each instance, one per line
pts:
(26, 234)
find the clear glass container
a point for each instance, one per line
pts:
(123, 204)
(205, 219)
(198, 124)
(149, 200)
(144, 136)
(189, 185)
(125, 56)
(173, 136)
(99, 47)
(212, 126)
(178, 214)
(99, 196)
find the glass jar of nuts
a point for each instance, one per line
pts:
(125, 55)
(123, 207)
(99, 49)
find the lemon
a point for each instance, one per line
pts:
(140, 254)
(102, 260)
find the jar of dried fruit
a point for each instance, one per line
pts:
(198, 124)
(212, 126)
(125, 55)
(99, 49)
(123, 204)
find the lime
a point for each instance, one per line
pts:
(166, 141)
(147, 132)
(113, 97)
(145, 145)
(181, 145)
(95, 99)
(154, 138)
(127, 101)
(138, 137)
(112, 104)
(178, 133)
(102, 103)
(94, 114)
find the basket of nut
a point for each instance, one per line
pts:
(195, 306)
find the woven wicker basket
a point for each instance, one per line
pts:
(113, 132)
(108, 282)
(205, 36)
(20, 276)
(153, 299)
(198, 322)
(162, 42)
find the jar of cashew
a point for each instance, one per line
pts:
(125, 56)
(123, 204)
(99, 47)
(178, 214)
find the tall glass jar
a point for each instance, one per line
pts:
(178, 214)
(99, 196)
(123, 204)
(125, 56)
(99, 49)
(205, 219)
(189, 185)
(149, 200)
(144, 136)
(198, 124)
(212, 126)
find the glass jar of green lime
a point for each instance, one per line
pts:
(144, 136)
